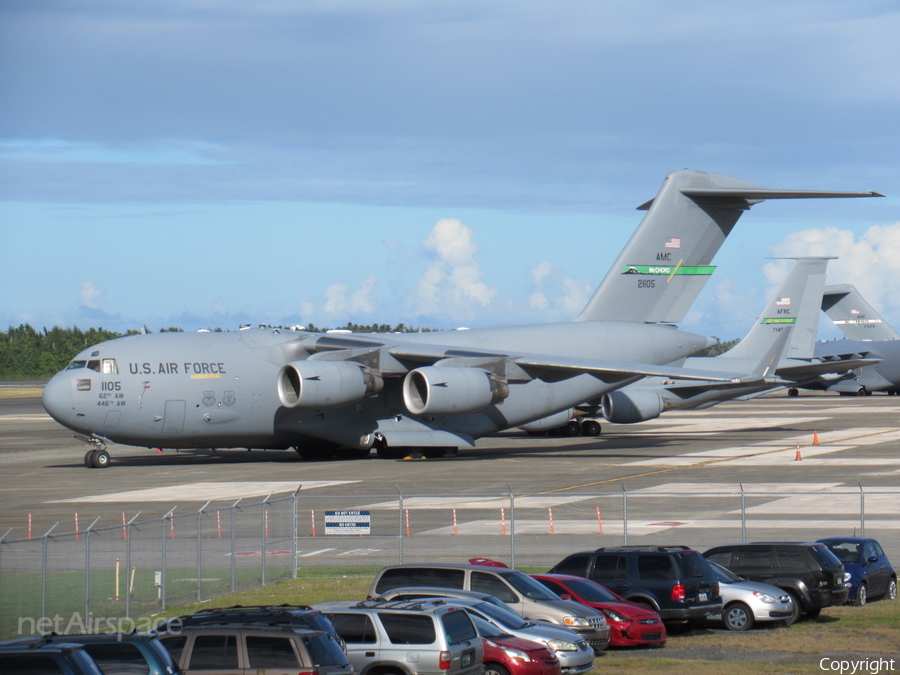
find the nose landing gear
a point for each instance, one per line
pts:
(98, 457)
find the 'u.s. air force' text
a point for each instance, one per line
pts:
(172, 368)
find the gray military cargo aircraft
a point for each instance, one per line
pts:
(776, 352)
(432, 393)
(870, 337)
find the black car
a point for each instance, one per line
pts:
(674, 581)
(811, 573)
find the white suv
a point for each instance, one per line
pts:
(407, 638)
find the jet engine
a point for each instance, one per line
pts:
(325, 384)
(621, 407)
(451, 390)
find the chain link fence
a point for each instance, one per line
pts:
(108, 576)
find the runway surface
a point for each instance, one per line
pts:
(740, 445)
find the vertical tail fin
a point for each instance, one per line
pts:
(666, 263)
(854, 316)
(795, 303)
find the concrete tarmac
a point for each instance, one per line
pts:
(752, 443)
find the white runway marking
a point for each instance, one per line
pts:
(697, 425)
(733, 488)
(24, 418)
(476, 502)
(202, 492)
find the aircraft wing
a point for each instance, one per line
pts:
(534, 365)
(813, 369)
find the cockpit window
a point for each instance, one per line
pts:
(76, 364)
(110, 367)
(94, 364)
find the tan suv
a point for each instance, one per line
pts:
(262, 650)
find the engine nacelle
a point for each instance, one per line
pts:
(621, 407)
(551, 422)
(325, 384)
(451, 390)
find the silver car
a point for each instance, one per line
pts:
(746, 602)
(574, 653)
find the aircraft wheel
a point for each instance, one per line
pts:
(435, 453)
(862, 392)
(89, 459)
(571, 429)
(793, 391)
(385, 452)
(590, 428)
(99, 459)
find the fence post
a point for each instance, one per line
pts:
(162, 581)
(44, 571)
(200, 548)
(128, 565)
(862, 511)
(265, 520)
(400, 522)
(87, 568)
(743, 515)
(294, 530)
(234, 509)
(512, 527)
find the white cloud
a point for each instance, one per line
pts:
(870, 261)
(452, 284)
(337, 302)
(90, 295)
(566, 296)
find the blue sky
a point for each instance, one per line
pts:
(206, 164)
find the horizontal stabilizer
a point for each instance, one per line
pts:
(806, 371)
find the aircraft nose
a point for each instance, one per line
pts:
(57, 398)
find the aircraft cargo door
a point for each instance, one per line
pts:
(173, 420)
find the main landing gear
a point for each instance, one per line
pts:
(98, 457)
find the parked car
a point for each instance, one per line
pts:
(808, 572)
(869, 572)
(424, 637)
(513, 587)
(575, 655)
(299, 616)
(35, 656)
(630, 624)
(235, 648)
(505, 654)
(123, 653)
(746, 602)
(674, 581)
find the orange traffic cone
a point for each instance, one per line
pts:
(815, 437)
(797, 457)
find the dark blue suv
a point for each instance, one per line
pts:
(674, 581)
(869, 573)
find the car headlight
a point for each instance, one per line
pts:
(614, 616)
(847, 577)
(765, 597)
(517, 654)
(563, 645)
(576, 621)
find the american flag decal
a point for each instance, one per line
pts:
(673, 242)
(854, 311)
(783, 302)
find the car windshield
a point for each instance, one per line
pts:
(501, 616)
(845, 551)
(324, 650)
(318, 621)
(590, 591)
(528, 586)
(486, 629)
(725, 576)
(692, 564)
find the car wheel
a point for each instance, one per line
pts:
(862, 595)
(737, 616)
(495, 669)
(792, 619)
(812, 613)
(892, 589)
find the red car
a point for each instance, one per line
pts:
(508, 655)
(630, 624)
